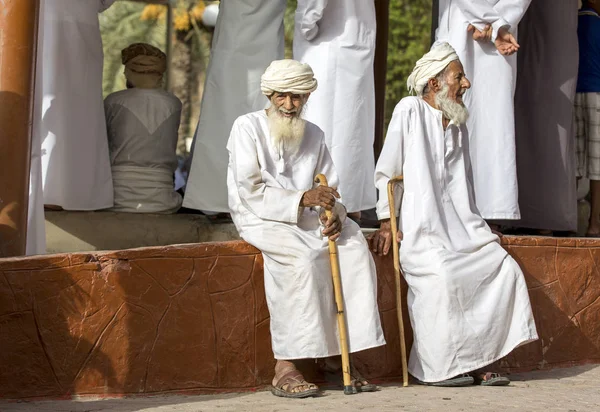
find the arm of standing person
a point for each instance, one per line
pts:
(310, 12)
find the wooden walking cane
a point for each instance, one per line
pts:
(349, 389)
(396, 251)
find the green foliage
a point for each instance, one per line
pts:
(409, 39)
(120, 26)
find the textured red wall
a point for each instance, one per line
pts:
(194, 317)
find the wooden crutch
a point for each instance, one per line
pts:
(396, 251)
(349, 389)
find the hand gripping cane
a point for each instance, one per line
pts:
(349, 389)
(396, 251)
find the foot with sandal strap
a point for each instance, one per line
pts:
(482, 378)
(332, 369)
(290, 383)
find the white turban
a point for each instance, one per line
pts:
(288, 76)
(429, 66)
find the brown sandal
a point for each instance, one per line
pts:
(291, 380)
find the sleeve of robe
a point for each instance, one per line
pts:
(512, 10)
(481, 12)
(266, 202)
(312, 13)
(391, 159)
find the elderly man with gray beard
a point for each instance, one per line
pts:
(467, 298)
(274, 156)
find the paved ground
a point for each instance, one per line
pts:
(568, 390)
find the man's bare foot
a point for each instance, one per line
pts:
(489, 379)
(289, 382)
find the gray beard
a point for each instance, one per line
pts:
(451, 109)
(287, 133)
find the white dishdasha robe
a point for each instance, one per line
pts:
(490, 101)
(467, 298)
(75, 162)
(248, 37)
(265, 185)
(337, 39)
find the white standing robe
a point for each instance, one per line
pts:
(467, 298)
(142, 129)
(337, 39)
(491, 124)
(247, 38)
(265, 186)
(75, 162)
(36, 229)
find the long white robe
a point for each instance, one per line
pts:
(142, 127)
(75, 162)
(247, 38)
(467, 298)
(36, 230)
(337, 39)
(265, 187)
(490, 100)
(544, 98)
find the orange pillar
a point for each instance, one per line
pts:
(382, 10)
(18, 35)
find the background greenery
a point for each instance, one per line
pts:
(128, 22)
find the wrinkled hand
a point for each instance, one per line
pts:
(333, 225)
(381, 240)
(484, 35)
(506, 42)
(322, 196)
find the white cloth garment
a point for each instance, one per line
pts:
(265, 187)
(467, 299)
(247, 38)
(142, 129)
(490, 101)
(75, 162)
(36, 229)
(337, 39)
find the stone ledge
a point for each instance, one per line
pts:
(92, 231)
(194, 318)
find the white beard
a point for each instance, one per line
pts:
(286, 132)
(451, 109)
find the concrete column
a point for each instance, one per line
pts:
(18, 39)
(382, 9)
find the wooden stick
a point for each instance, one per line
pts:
(396, 251)
(349, 389)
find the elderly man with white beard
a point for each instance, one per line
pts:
(467, 298)
(274, 156)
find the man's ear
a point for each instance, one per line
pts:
(434, 85)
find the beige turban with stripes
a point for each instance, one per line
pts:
(288, 76)
(429, 66)
(144, 65)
